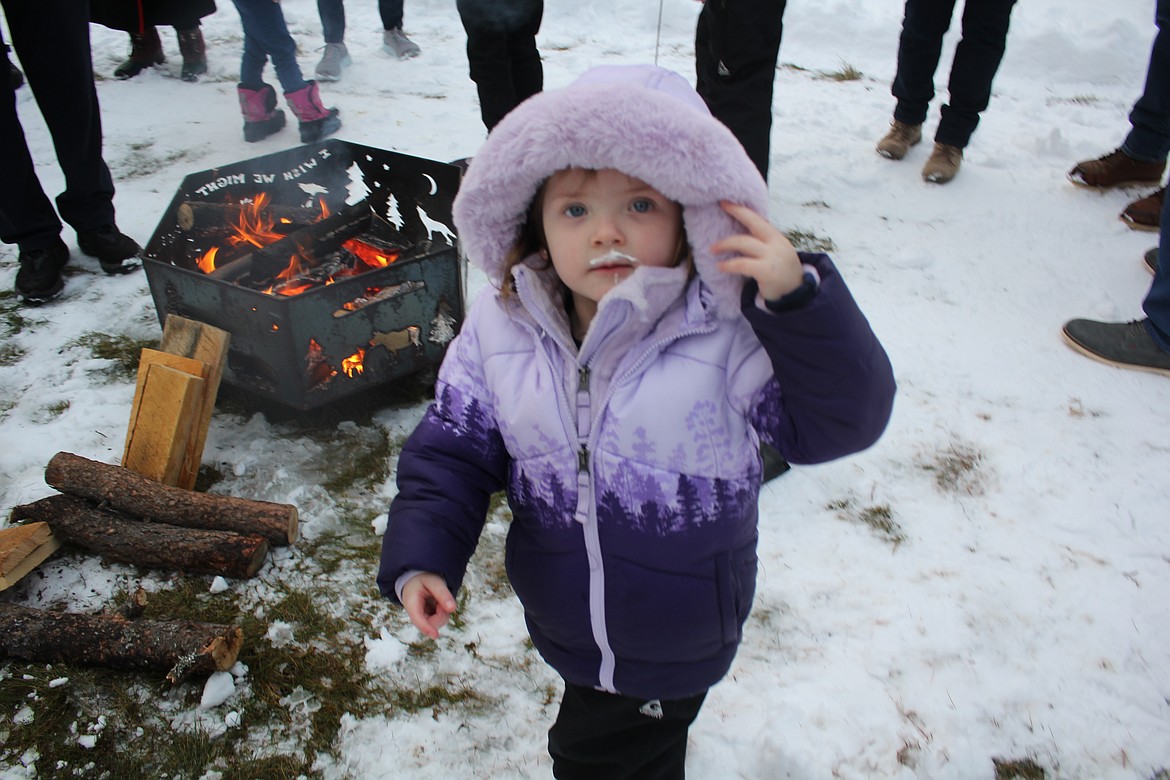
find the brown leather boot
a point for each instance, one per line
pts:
(1116, 169)
(1146, 213)
(194, 53)
(896, 143)
(145, 50)
(943, 163)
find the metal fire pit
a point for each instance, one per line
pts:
(339, 338)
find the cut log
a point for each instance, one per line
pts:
(135, 495)
(180, 647)
(306, 243)
(209, 345)
(155, 545)
(168, 400)
(190, 215)
(22, 548)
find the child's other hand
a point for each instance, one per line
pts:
(763, 253)
(428, 602)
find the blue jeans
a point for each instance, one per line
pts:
(977, 58)
(332, 14)
(266, 36)
(1157, 302)
(1149, 140)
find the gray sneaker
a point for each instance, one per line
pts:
(335, 58)
(1124, 344)
(396, 43)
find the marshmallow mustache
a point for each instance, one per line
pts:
(614, 257)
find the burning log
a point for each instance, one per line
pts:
(182, 647)
(155, 545)
(268, 261)
(136, 495)
(193, 215)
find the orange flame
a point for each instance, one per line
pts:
(206, 264)
(370, 255)
(254, 226)
(354, 364)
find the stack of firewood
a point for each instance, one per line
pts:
(126, 517)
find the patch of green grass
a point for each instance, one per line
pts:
(845, 73)
(437, 698)
(361, 462)
(10, 354)
(1018, 769)
(879, 518)
(123, 351)
(806, 241)
(58, 409)
(957, 469)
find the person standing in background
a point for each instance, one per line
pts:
(502, 57)
(336, 55)
(140, 20)
(977, 58)
(51, 37)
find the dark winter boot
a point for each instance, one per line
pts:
(145, 50)
(316, 120)
(16, 75)
(194, 53)
(261, 116)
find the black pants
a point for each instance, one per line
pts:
(501, 53)
(604, 736)
(977, 58)
(736, 46)
(51, 37)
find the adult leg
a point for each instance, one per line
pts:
(977, 58)
(527, 69)
(266, 35)
(51, 38)
(617, 737)
(332, 13)
(1149, 140)
(1157, 302)
(919, 47)
(737, 43)
(391, 13)
(491, 27)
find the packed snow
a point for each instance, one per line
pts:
(989, 581)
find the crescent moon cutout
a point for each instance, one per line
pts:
(434, 187)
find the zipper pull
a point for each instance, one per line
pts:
(583, 379)
(583, 460)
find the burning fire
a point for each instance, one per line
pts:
(354, 364)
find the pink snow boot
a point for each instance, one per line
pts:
(316, 120)
(261, 116)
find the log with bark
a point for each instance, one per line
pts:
(181, 647)
(155, 545)
(194, 215)
(140, 497)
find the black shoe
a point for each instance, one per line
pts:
(1151, 258)
(145, 51)
(774, 463)
(111, 247)
(1124, 344)
(316, 129)
(39, 278)
(194, 53)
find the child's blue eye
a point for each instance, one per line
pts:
(576, 210)
(642, 205)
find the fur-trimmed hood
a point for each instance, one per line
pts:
(639, 119)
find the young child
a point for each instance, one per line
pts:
(266, 35)
(649, 329)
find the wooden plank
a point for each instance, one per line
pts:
(161, 427)
(23, 548)
(146, 454)
(197, 340)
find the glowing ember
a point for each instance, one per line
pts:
(353, 365)
(370, 255)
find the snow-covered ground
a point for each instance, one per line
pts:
(1015, 606)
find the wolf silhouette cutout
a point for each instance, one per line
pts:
(434, 226)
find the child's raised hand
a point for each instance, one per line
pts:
(763, 253)
(428, 602)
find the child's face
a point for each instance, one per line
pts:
(600, 225)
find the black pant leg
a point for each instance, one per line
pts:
(919, 48)
(977, 58)
(605, 735)
(501, 52)
(51, 37)
(737, 43)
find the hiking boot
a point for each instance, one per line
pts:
(1145, 214)
(1124, 344)
(1151, 258)
(395, 42)
(194, 53)
(39, 278)
(1116, 169)
(316, 120)
(898, 141)
(114, 250)
(943, 164)
(335, 58)
(145, 51)
(261, 116)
